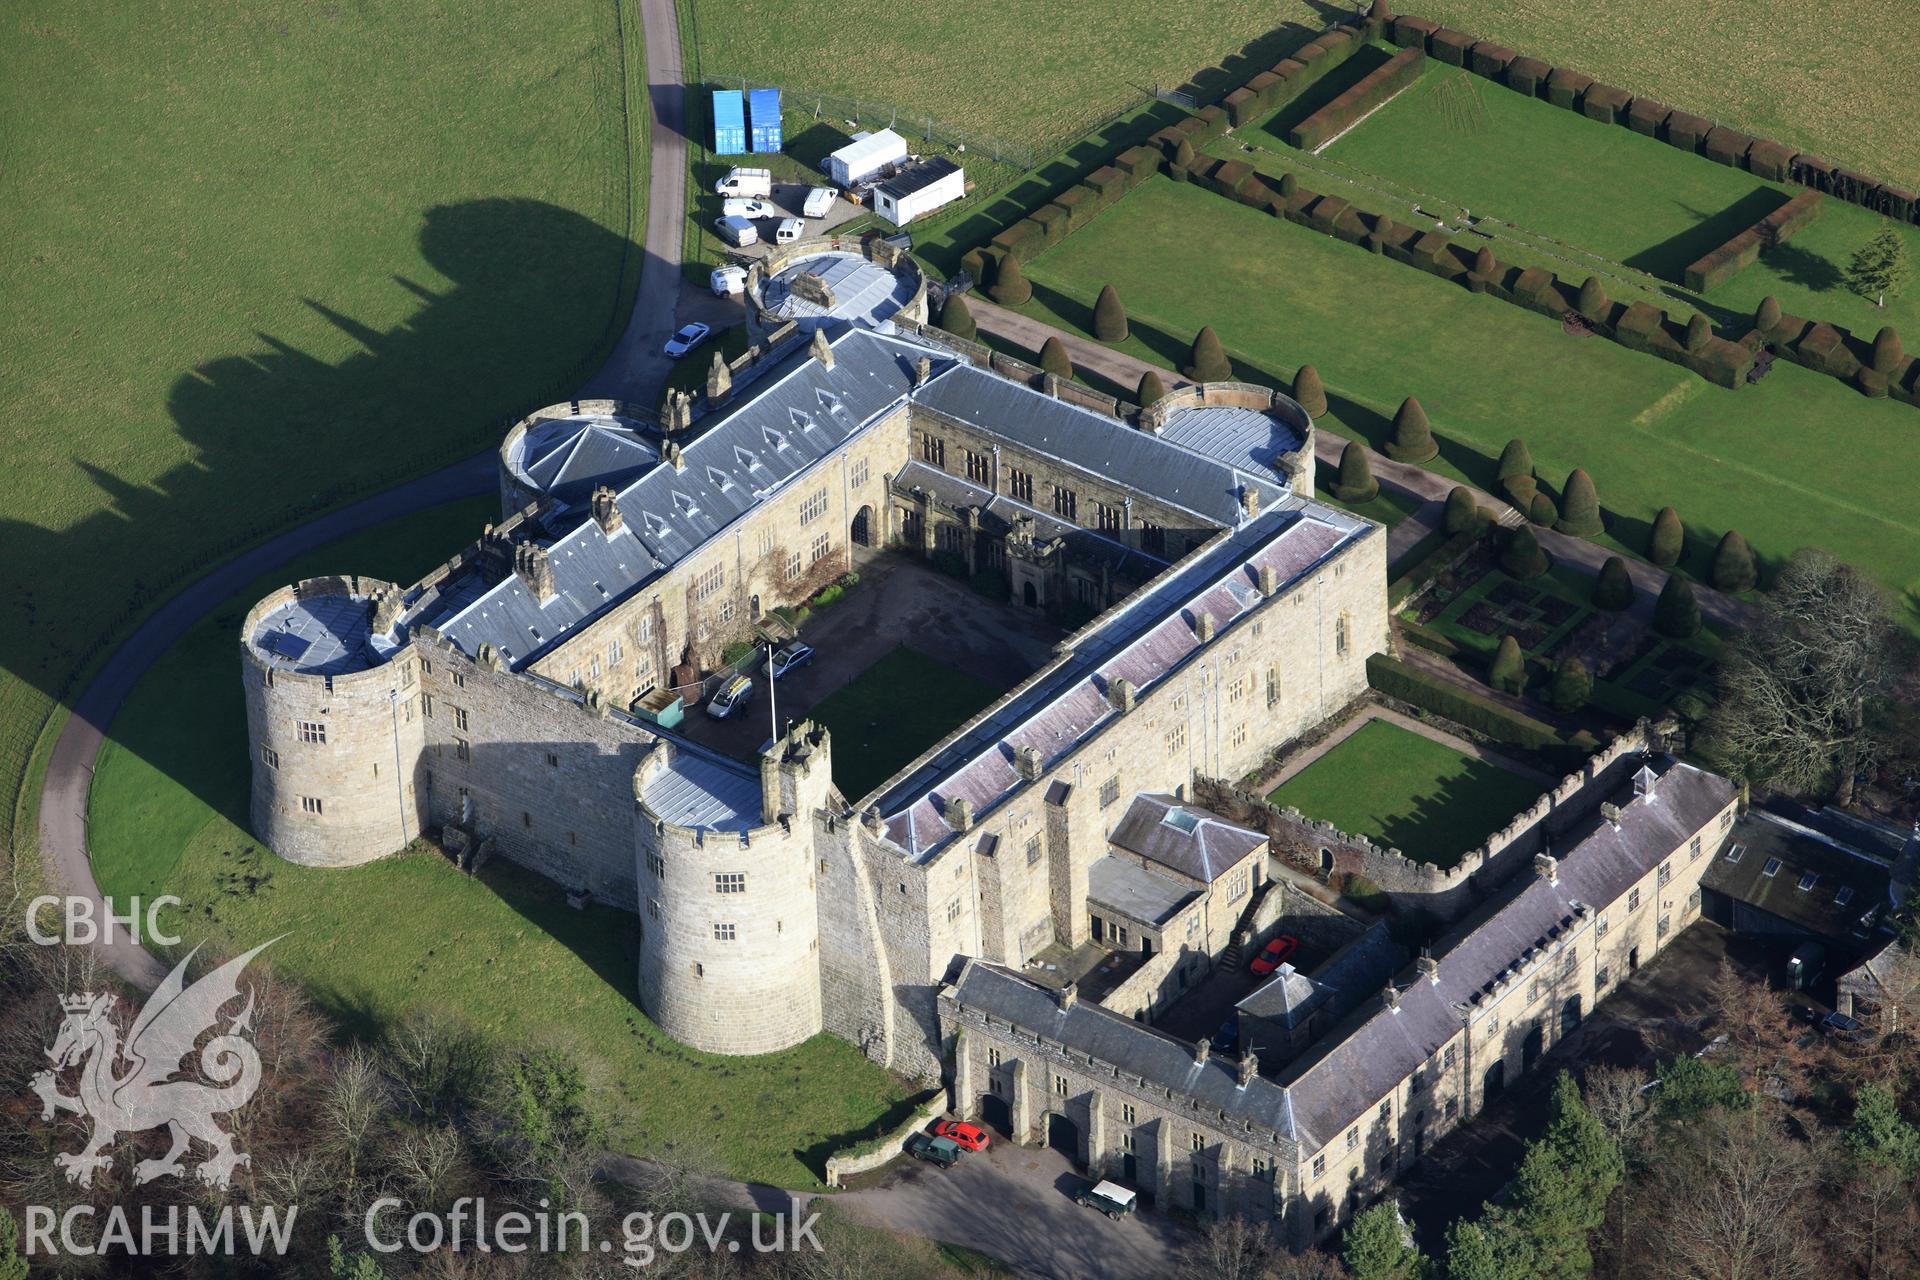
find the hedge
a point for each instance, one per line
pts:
(1412, 33)
(1606, 104)
(1490, 59)
(1528, 75)
(1566, 87)
(1365, 95)
(1450, 46)
(1442, 697)
(1687, 131)
(1647, 116)
(1720, 264)
(1728, 146)
(1444, 557)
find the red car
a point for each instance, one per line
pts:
(970, 1136)
(1275, 953)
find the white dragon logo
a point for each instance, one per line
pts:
(145, 1096)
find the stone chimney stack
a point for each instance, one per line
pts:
(820, 350)
(1611, 812)
(876, 825)
(606, 512)
(1027, 763)
(960, 814)
(1391, 998)
(531, 564)
(1120, 693)
(1547, 867)
(922, 370)
(1249, 1068)
(386, 610)
(1249, 500)
(1200, 1052)
(1428, 968)
(1069, 996)
(1203, 627)
(1269, 580)
(719, 383)
(679, 412)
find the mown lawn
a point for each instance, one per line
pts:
(1798, 459)
(893, 711)
(168, 815)
(259, 259)
(1407, 792)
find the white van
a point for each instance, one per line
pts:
(745, 182)
(819, 202)
(738, 232)
(789, 230)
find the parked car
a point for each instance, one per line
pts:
(735, 694)
(687, 338)
(745, 182)
(819, 202)
(1845, 1027)
(789, 230)
(1109, 1198)
(944, 1152)
(970, 1137)
(1275, 953)
(738, 232)
(749, 209)
(789, 656)
(727, 281)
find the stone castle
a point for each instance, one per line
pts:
(510, 701)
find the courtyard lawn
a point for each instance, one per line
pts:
(262, 259)
(893, 711)
(1798, 459)
(168, 814)
(1408, 792)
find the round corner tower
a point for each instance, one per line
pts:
(330, 682)
(729, 946)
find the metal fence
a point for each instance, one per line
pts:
(874, 113)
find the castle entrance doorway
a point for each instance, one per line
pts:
(863, 527)
(1063, 1135)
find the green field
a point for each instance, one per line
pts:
(1797, 460)
(261, 259)
(893, 711)
(1525, 161)
(1407, 792)
(169, 815)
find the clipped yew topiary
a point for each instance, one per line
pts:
(1579, 506)
(1613, 589)
(1887, 352)
(1412, 435)
(1733, 566)
(1208, 360)
(1542, 511)
(1593, 302)
(1508, 673)
(1356, 482)
(1668, 539)
(1151, 388)
(1010, 287)
(957, 318)
(1183, 154)
(1676, 613)
(1516, 473)
(1288, 185)
(1483, 263)
(1054, 358)
(1462, 512)
(1699, 332)
(1109, 317)
(1308, 392)
(1572, 686)
(1767, 314)
(1523, 557)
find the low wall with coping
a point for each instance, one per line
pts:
(859, 1159)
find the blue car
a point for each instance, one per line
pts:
(1227, 1038)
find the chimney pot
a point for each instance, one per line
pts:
(1547, 867)
(1203, 626)
(1069, 995)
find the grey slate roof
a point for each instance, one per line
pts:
(1135, 892)
(1765, 839)
(1097, 444)
(1244, 438)
(998, 512)
(1191, 840)
(1368, 1059)
(320, 635)
(1289, 998)
(568, 458)
(863, 291)
(1115, 1040)
(704, 789)
(1356, 971)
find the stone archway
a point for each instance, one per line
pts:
(1063, 1135)
(862, 531)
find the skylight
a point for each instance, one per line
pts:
(1771, 869)
(1843, 897)
(1806, 881)
(1181, 820)
(1733, 854)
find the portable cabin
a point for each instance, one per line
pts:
(864, 157)
(919, 189)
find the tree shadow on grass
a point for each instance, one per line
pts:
(1670, 258)
(1811, 271)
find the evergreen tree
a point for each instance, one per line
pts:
(956, 317)
(1183, 153)
(1699, 332)
(1288, 185)
(1010, 287)
(1523, 557)
(1542, 511)
(1668, 539)
(1593, 302)
(1208, 360)
(1412, 437)
(1613, 590)
(1308, 392)
(1579, 506)
(1462, 511)
(1483, 263)
(1374, 1248)
(1733, 567)
(1356, 482)
(1509, 670)
(12, 1265)
(1474, 1252)
(1054, 358)
(1767, 314)
(1879, 1134)
(1880, 268)
(1690, 1087)
(1151, 388)
(1516, 473)
(1109, 317)
(1676, 613)
(1584, 1146)
(1887, 351)
(1572, 685)
(341, 1265)
(1381, 11)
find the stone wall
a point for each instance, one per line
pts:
(1297, 465)
(841, 1166)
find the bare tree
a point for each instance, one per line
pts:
(1734, 1193)
(1797, 687)
(1231, 1248)
(1621, 1101)
(1879, 1224)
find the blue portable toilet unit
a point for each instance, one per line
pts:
(729, 123)
(763, 107)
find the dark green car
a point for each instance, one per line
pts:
(944, 1152)
(1109, 1198)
